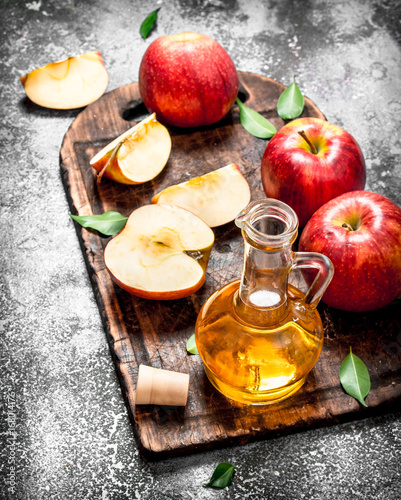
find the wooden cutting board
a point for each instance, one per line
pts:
(155, 333)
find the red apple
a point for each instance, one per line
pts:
(360, 232)
(310, 161)
(188, 80)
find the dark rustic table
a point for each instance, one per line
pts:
(64, 425)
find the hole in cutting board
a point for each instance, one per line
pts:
(243, 94)
(135, 112)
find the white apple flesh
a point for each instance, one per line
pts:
(161, 253)
(68, 84)
(136, 156)
(216, 197)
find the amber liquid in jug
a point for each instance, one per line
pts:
(259, 337)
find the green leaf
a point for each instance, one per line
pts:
(108, 223)
(255, 123)
(148, 23)
(354, 377)
(191, 345)
(222, 476)
(291, 103)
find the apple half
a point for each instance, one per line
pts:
(71, 83)
(136, 156)
(216, 197)
(161, 253)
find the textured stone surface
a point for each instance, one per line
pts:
(64, 426)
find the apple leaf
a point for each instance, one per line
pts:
(108, 223)
(222, 476)
(255, 123)
(148, 23)
(354, 377)
(290, 103)
(191, 345)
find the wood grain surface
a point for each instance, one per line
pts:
(154, 333)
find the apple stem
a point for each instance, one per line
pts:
(347, 226)
(306, 138)
(111, 158)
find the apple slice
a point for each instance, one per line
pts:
(161, 253)
(136, 156)
(216, 197)
(68, 84)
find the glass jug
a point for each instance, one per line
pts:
(259, 336)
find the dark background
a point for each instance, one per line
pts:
(65, 429)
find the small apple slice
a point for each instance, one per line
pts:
(136, 156)
(68, 84)
(216, 197)
(161, 253)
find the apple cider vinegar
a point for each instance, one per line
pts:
(259, 337)
(252, 363)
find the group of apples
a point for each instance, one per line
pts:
(318, 169)
(189, 80)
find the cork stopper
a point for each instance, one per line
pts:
(161, 387)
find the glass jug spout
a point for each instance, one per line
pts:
(268, 223)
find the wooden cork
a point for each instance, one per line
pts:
(161, 387)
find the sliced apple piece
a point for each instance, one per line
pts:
(216, 197)
(161, 253)
(68, 84)
(136, 156)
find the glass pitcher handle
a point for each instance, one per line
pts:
(325, 271)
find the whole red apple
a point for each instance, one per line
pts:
(188, 80)
(310, 161)
(360, 232)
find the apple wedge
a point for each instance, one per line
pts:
(71, 83)
(136, 156)
(161, 253)
(216, 197)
